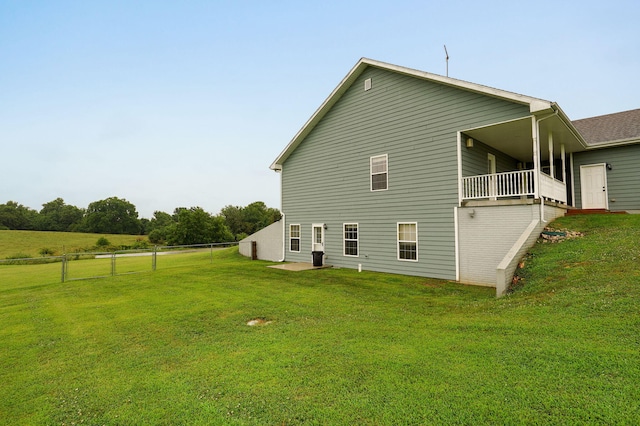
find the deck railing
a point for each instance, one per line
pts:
(498, 185)
(512, 184)
(553, 189)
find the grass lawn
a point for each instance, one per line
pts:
(30, 243)
(340, 347)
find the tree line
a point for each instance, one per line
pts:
(118, 216)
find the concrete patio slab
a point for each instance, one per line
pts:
(298, 266)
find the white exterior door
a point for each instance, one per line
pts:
(317, 235)
(593, 181)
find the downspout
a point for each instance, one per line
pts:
(459, 154)
(456, 224)
(284, 220)
(284, 242)
(537, 146)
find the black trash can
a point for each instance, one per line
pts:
(317, 257)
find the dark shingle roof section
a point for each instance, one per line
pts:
(621, 126)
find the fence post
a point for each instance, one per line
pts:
(153, 258)
(211, 256)
(64, 261)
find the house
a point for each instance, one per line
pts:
(607, 175)
(408, 172)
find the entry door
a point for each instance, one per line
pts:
(593, 180)
(317, 233)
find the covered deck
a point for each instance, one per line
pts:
(523, 158)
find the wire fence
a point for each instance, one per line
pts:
(87, 265)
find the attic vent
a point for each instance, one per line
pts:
(367, 84)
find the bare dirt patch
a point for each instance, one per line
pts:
(258, 321)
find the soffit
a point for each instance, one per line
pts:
(515, 139)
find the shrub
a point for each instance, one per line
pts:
(46, 251)
(103, 242)
(19, 256)
(140, 243)
(157, 236)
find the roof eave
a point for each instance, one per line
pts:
(611, 144)
(320, 112)
(567, 122)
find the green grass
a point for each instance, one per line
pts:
(173, 347)
(30, 243)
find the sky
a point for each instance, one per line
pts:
(186, 103)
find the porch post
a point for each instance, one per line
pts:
(536, 157)
(551, 171)
(564, 165)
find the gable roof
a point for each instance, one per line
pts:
(611, 129)
(536, 105)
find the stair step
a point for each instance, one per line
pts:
(571, 212)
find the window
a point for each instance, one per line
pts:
(408, 241)
(378, 167)
(294, 237)
(351, 239)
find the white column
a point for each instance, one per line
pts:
(551, 172)
(536, 157)
(564, 164)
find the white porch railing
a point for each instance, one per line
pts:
(553, 188)
(497, 185)
(512, 184)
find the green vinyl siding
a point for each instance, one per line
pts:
(474, 160)
(413, 121)
(623, 180)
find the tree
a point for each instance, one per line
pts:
(17, 216)
(233, 218)
(160, 226)
(58, 216)
(111, 216)
(160, 220)
(252, 218)
(258, 215)
(195, 226)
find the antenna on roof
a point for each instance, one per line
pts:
(447, 58)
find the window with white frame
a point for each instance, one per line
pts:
(351, 239)
(294, 237)
(408, 241)
(378, 166)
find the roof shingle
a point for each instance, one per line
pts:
(620, 126)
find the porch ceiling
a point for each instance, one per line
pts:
(514, 138)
